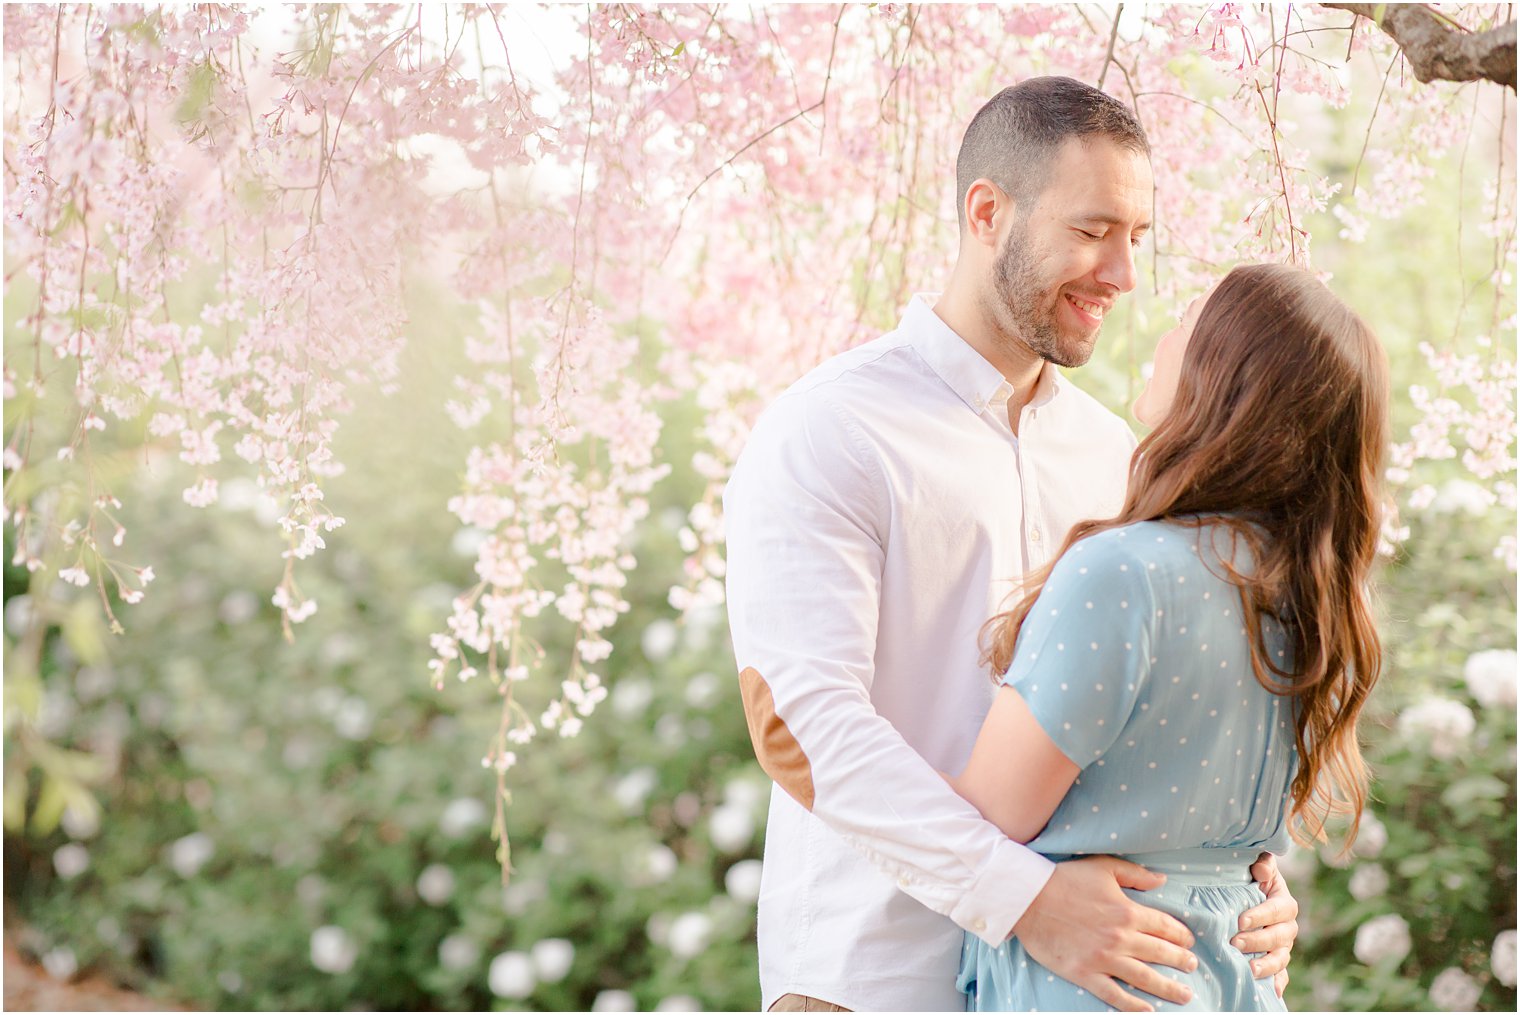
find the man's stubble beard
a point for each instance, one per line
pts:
(1016, 306)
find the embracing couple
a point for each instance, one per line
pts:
(1074, 804)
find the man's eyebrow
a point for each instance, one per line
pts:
(1110, 220)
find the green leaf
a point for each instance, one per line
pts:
(1475, 787)
(83, 630)
(50, 803)
(16, 786)
(197, 94)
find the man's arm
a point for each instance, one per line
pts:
(807, 516)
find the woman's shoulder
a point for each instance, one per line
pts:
(1165, 546)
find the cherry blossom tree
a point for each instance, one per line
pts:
(213, 216)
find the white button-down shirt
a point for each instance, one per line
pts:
(879, 514)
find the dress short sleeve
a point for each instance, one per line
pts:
(1084, 655)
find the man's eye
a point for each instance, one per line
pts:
(1090, 236)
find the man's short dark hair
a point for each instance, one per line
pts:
(1014, 138)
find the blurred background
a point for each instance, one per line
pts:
(201, 810)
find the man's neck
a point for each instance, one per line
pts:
(1020, 366)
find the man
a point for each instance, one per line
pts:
(875, 520)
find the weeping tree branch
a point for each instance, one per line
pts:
(1436, 52)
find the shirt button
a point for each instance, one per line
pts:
(903, 882)
(978, 925)
(1034, 535)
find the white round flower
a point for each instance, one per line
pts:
(670, 731)
(1368, 881)
(631, 696)
(71, 860)
(352, 719)
(659, 863)
(1491, 677)
(1371, 837)
(1327, 994)
(468, 541)
(732, 827)
(679, 1002)
(435, 884)
(461, 816)
(631, 790)
(187, 855)
(702, 690)
(743, 881)
(614, 1000)
(1462, 495)
(689, 934)
(1454, 990)
(1503, 959)
(1382, 938)
(332, 950)
(1298, 863)
(18, 615)
(1446, 724)
(522, 894)
(237, 607)
(511, 975)
(458, 951)
(80, 822)
(60, 963)
(743, 792)
(659, 640)
(552, 959)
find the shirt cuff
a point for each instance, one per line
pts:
(1002, 892)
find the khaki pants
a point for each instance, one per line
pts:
(796, 1002)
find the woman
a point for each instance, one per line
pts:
(1187, 673)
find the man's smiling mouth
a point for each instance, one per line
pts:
(1091, 309)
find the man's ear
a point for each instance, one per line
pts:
(987, 207)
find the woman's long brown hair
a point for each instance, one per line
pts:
(1278, 431)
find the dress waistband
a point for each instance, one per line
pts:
(1204, 865)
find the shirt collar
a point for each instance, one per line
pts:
(964, 370)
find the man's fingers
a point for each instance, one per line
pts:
(1158, 924)
(1283, 909)
(1279, 935)
(1152, 981)
(1281, 982)
(1110, 993)
(1161, 952)
(1132, 875)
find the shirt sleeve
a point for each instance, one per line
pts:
(807, 520)
(1083, 657)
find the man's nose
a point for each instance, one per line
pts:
(1118, 266)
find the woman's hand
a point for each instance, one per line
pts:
(1271, 927)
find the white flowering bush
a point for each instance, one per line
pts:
(1421, 914)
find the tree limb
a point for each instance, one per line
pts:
(1435, 52)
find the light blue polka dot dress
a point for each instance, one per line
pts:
(1135, 661)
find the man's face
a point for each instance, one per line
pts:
(1065, 260)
